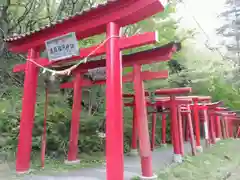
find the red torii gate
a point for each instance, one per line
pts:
(195, 110)
(204, 106)
(189, 127)
(195, 99)
(226, 121)
(211, 108)
(159, 102)
(145, 75)
(172, 92)
(236, 122)
(166, 103)
(114, 15)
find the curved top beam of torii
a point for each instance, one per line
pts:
(88, 23)
(165, 91)
(93, 51)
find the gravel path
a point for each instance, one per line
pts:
(161, 158)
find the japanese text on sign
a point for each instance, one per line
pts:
(62, 47)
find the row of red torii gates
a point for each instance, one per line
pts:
(114, 15)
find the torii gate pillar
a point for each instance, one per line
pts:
(114, 116)
(142, 125)
(154, 119)
(163, 132)
(27, 115)
(76, 109)
(217, 127)
(211, 129)
(177, 157)
(197, 125)
(134, 148)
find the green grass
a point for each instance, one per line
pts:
(217, 162)
(52, 166)
(58, 165)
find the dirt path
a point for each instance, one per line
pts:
(161, 159)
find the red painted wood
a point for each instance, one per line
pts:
(206, 127)
(226, 126)
(146, 75)
(221, 109)
(114, 114)
(218, 126)
(162, 102)
(159, 54)
(238, 132)
(230, 125)
(174, 91)
(164, 128)
(186, 130)
(180, 127)
(126, 78)
(163, 53)
(214, 105)
(196, 123)
(27, 115)
(154, 121)
(134, 130)
(187, 98)
(174, 126)
(142, 124)
(224, 129)
(76, 110)
(166, 102)
(199, 98)
(211, 129)
(191, 133)
(124, 43)
(123, 12)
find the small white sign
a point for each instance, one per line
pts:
(62, 47)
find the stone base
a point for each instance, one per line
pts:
(163, 145)
(217, 139)
(72, 162)
(177, 158)
(133, 152)
(23, 172)
(154, 177)
(199, 149)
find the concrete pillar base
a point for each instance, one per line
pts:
(133, 152)
(199, 149)
(163, 145)
(154, 177)
(77, 161)
(217, 139)
(177, 158)
(23, 172)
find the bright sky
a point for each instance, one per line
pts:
(206, 12)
